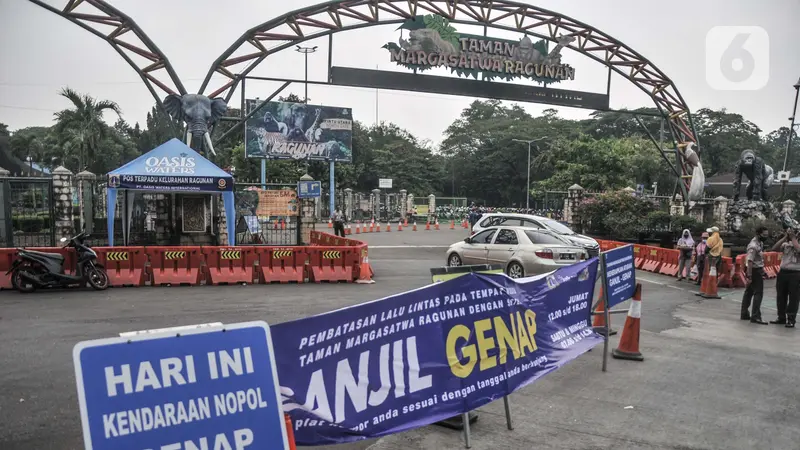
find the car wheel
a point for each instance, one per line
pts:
(454, 260)
(515, 270)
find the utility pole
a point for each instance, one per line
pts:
(789, 138)
(528, 189)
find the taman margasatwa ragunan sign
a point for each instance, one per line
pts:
(433, 42)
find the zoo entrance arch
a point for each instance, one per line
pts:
(326, 19)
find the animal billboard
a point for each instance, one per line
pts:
(282, 130)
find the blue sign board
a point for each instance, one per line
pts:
(423, 356)
(620, 276)
(204, 388)
(309, 189)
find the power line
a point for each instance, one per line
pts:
(27, 108)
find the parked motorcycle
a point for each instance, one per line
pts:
(32, 269)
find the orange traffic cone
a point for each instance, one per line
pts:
(405, 222)
(415, 227)
(372, 226)
(452, 224)
(330, 223)
(599, 322)
(629, 341)
(365, 270)
(358, 227)
(708, 287)
(427, 226)
(436, 225)
(400, 226)
(388, 227)
(289, 432)
(464, 223)
(378, 228)
(347, 230)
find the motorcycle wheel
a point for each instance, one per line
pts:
(20, 283)
(98, 278)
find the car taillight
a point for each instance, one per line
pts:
(583, 256)
(546, 254)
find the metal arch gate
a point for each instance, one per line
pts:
(325, 19)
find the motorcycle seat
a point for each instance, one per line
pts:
(55, 256)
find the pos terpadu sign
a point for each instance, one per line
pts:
(210, 388)
(423, 356)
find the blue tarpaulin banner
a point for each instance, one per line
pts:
(620, 277)
(426, 355)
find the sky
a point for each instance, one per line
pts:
(41, 52)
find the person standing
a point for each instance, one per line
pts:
(715, 246)
(685, 245)
(700, 257)
(754, 277)
(338, 223)
(787, 284)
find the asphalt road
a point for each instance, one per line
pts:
(709, 381)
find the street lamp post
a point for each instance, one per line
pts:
(528, 189)
(305, 51)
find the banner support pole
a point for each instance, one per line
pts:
(465, 421)
(605, 312)
(508, 413)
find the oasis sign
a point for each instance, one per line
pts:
(183, 164)
(433, 42)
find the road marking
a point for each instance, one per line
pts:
(725, 296)
(408, 246)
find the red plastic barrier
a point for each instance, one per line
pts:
(670, 259)
(332, 264)
(229, 265)
(68, 254)
(282, 264)
(638, 255)
(726, 272)
(7, 257)
(652, 259)
(175, 265)
(125, 266)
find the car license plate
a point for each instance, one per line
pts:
(570, 256)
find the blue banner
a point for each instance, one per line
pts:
(426, 355)
(201, 388)
(620, 277)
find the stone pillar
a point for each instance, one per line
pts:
(222, 220)
(403, 204)
(348, 203)
(375, 207)
(62, 203)
(308, 217)
(86, 181)
(410, 203)
(431, 208)
(788, 207)
(4, 238)
(317, 207)
(676, 206)
(720, 212)
(698, 214)
(574, 197)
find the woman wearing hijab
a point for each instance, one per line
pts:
(685, 246)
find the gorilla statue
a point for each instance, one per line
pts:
(757, 172)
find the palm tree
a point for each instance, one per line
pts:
(83, 127)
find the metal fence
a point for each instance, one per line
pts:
(265, 219)
(27, 217)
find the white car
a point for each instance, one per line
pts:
(531, 221)
(521, 251)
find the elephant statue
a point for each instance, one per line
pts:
(199, 112)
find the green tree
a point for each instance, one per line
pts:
(723, 136)
(81, 128)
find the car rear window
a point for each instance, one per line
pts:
(537, 237)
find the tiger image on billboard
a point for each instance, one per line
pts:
(282, 130)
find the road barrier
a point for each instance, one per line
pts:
(125, 266)
(282, 264)
(7, 257)
(229, 265)
(176, 265)
(332, 264)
